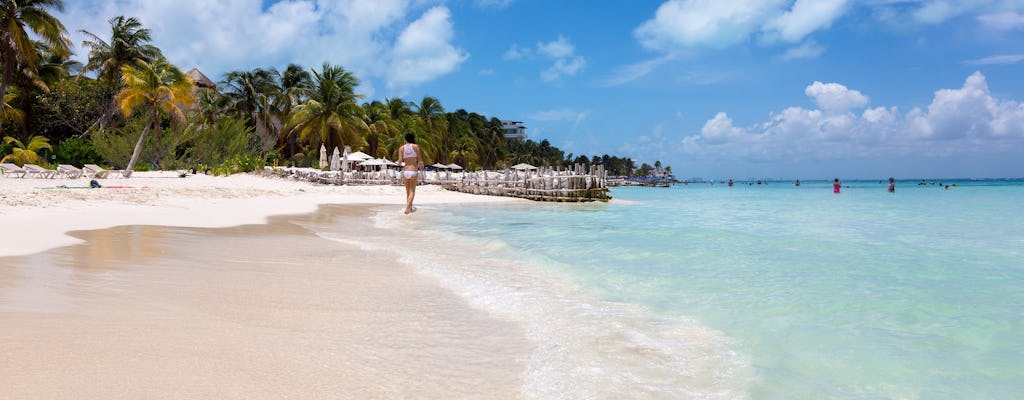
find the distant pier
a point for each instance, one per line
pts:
(578, 184)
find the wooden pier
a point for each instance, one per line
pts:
(543, 185)
(578, 184)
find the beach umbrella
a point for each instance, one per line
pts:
(359, 156)
(454, 166)
(335, 160)
(523, 166)
(323, 156)
(439, 166)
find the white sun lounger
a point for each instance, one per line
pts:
(37, 171)
(69, 171)
(96, 171)
(10, 169)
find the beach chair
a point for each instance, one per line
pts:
(69, 171)
(96, 171)
(36, 171)
(10, 169)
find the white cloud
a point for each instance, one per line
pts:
(515, 52)
(964, 120)
(835, 97)
(805, 17)
(806, 50)
(723, 23)
(636, 71)
(486, 72)
(560, 115)
(559, 48)
(685, 23)
(998, 60)
(494, 3)
(423, 51)
(220, 36)
(1003, 21)
(566, 62)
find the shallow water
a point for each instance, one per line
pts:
(249, 312)
(760, 291)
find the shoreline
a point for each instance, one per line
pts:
(154, 305)
(39, 219)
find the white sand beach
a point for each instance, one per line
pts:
(204, 287)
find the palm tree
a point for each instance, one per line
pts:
(434, 127)
(332, 115)
(293, 88)
(251, 94)
(22, 154)
(17, 52)
(210, 104)
(129, 45)
(9, 113)
(401, 115)
(382, 128)
(51, 67)
(152, 88)
(464, 151)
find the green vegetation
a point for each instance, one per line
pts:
(128, 107)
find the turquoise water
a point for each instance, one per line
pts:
(793, 292)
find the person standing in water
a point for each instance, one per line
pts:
(411, 160)
(836, 186)
(892, 185)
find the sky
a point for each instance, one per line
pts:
(809, 89)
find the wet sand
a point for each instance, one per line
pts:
(255, 311)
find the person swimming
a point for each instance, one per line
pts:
(836, 186)
(892, 185)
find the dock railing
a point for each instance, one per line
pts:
(578, 184)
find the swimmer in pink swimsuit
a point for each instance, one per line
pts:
(412, 162)
(836, 185)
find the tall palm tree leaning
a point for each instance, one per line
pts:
(17, 49)
(129, 45)
(331, 115)
(152, 88)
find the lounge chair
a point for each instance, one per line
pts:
(10, 169)
(69, 171)
(98, 172)
(37, 171)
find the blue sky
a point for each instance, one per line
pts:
(807, 89)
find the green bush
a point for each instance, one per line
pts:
(215, 144)
(163, 149)
(239, 164)
(76, 151)
(115, 146)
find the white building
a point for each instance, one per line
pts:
(514, 129)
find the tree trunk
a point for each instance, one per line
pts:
(138, 149)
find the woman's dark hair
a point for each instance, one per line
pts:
(410, 138)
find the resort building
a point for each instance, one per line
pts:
(514, 129)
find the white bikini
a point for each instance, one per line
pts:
(408, 152)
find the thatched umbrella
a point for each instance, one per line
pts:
(199, 79)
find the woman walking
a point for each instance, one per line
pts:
(409, 157)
